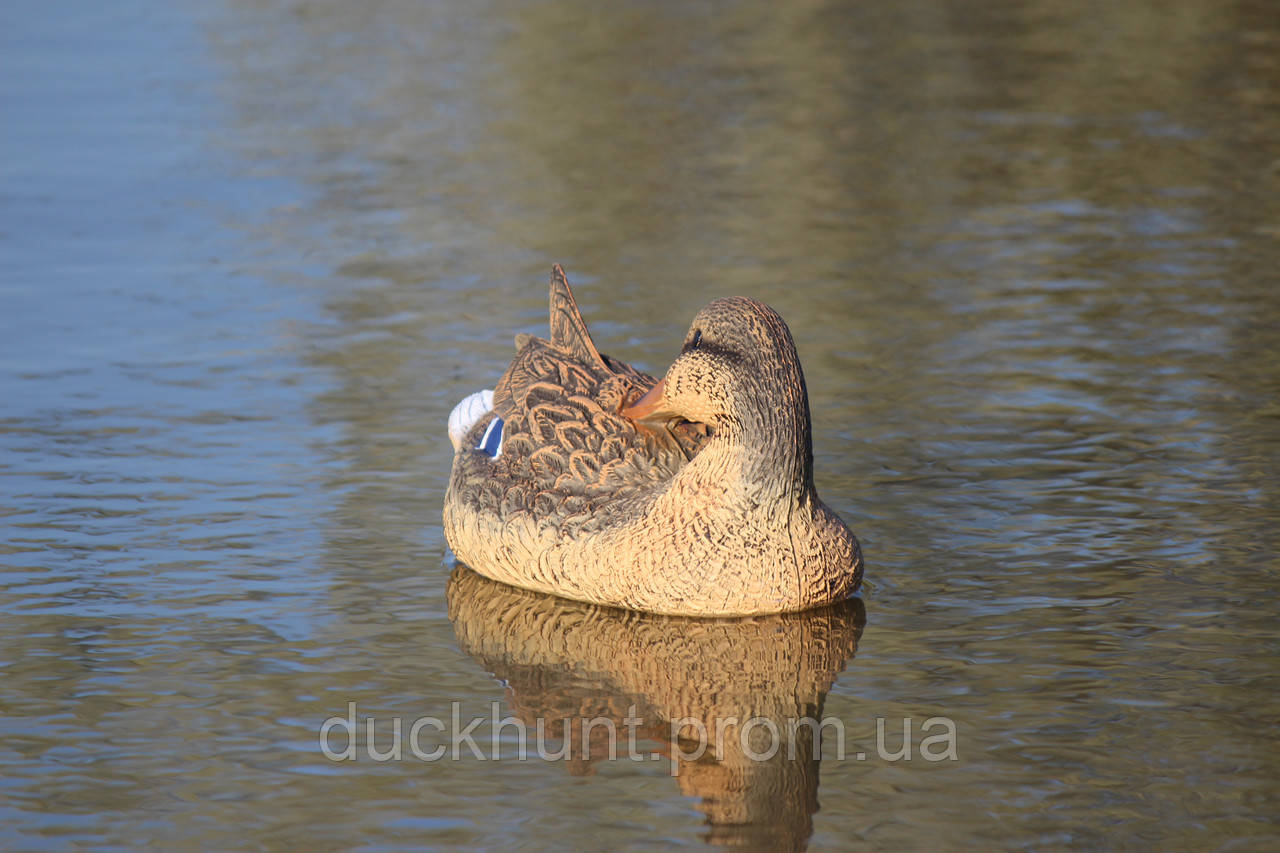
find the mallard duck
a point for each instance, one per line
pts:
(583, 477)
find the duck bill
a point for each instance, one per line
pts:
(651, 406)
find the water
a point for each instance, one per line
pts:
(250, 256)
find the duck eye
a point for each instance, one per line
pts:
(697, 339)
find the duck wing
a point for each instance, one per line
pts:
(565, 445)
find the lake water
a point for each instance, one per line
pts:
(251, 254)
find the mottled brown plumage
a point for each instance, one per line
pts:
(692, 496)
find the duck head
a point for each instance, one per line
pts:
(738, 373)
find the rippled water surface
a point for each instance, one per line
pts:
(251, 253)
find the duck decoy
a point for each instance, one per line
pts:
(579, 475)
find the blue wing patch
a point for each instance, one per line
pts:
(491, 441)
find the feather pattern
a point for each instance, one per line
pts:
(564, 440)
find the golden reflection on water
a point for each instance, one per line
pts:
(671, 680)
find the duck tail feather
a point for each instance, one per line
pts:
(568, 330)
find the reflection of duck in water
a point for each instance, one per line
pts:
(582, 477)
(569, 663)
